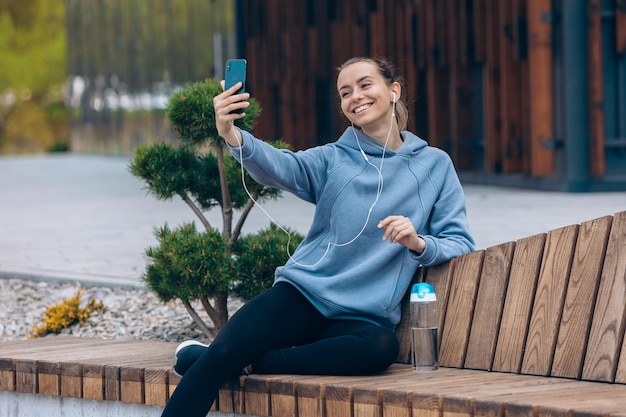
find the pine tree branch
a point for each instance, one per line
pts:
(242, 219)
(214, 313)
(197, 212)
(227, 204)
(208, 332)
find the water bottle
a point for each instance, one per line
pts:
(423, 316)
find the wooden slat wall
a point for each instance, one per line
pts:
(541, 125)
(518, 303)
(607, 329)
(620, 25)
(489, 303)
(492, 105)
(548, 303)
(440, 46)
(460, 308)
(580, 299)
(595, 87)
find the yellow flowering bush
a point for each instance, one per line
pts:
(64, 314)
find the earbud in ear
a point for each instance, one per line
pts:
(394, 97)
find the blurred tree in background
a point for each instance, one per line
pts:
(94, 76)
(33, 71)
(127, 57)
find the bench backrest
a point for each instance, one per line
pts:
(552, 304)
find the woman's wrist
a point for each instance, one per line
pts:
(420, 246)
(234, 138)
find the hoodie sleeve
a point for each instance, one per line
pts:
(300, 173)
(448, 235)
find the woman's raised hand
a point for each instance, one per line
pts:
(225, 105)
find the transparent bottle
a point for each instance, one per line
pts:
(423, 318)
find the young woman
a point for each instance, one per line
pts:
(386, 203)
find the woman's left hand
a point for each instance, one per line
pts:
(399, 229)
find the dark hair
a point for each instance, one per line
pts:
(390, 74)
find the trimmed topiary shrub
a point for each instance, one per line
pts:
(212, 264)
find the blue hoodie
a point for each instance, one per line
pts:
(366, 278)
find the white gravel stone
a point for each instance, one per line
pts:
(129, 313)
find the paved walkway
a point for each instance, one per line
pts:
(85, 217)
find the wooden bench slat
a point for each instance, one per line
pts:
(549, 298)
(42, 348)
(460, 309)
(541, 398)
(584, 279)
(49, 378)
(283, 398)
(93, 382)
(339, 391)
(7, 374)
(71, 379)
(607, 328)
(155, 386)
(618, 236)
(230, 397)
(311, 394)
(397, 403)
(26, 376)
(524, 274)
(494, 400)
(257, 395)
(478, 385)
(440, 277)
(489, 304)
(586, 399)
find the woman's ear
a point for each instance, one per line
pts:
(396, 91)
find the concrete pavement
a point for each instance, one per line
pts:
(86, 218)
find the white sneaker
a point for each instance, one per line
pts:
(186, 354)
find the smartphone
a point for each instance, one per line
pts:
(236, 72)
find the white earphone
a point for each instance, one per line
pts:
(394, 97)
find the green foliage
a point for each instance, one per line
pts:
(30, 127)
(32, 45)
(32, 74)
(191, 112)
(188, 265)
(59, 147)
(169, 171)
(258, 256)
(64, 314)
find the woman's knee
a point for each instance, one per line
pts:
(221, 358)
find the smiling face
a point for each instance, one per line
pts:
(366, 97)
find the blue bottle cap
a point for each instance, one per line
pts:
(423, 291)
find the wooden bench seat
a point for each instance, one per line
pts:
(527, 328)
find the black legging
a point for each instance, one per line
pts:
(280, 332)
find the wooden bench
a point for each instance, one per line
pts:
(527, 328)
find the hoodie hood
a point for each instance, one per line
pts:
(352, 137)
